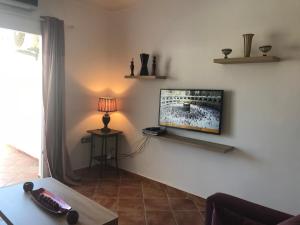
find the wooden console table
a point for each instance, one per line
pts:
(103, 154)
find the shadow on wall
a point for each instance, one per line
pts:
(281, 43)
(244, 155)
(166, 71)
(228, 114)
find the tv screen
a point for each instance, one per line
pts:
(192, 109)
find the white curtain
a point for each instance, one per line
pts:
(53, 47)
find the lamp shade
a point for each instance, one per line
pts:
(107, 104)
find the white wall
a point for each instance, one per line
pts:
(261, 103)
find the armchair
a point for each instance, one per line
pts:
(223, 209)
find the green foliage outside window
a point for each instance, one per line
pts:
(33, 49)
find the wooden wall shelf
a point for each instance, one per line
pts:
(240, 60)
(148, 77)
(195, 142)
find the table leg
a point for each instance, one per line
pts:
(116, 154)
(105, 151)
(102, 154)
(92, 151)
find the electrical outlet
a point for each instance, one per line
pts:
(85, 140)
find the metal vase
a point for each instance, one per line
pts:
(247, 44)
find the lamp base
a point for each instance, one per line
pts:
(105, 120)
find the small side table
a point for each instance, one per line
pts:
(104, 136)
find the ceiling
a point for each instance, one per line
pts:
(114, 4)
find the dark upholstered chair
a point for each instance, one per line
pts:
(223, 209)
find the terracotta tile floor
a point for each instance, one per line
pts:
(140, 201)
(16, 167)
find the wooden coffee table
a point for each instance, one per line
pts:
(20, 209)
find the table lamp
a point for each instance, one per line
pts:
(106, 104)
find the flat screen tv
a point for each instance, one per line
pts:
(191, 109)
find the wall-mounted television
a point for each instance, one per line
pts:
(191, 109)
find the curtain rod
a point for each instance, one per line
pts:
(11, 13)
(67, 26)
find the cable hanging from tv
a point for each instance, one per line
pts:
(140, 147)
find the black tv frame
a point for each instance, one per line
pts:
(30, 2)
(193, 89)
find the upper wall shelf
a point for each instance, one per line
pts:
(196, 142)
(146, 77)
(240, 60)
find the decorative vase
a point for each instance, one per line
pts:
(226, 52)
(144, 60)
(247, 44)
(265, 49)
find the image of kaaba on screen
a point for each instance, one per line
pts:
(193, 109)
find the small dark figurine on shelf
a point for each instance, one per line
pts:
(154, 66)
(132, 67)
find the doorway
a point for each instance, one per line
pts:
(20, 106)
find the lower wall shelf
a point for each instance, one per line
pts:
(196, 142)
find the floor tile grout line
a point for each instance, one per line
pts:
(118, 194)
(143, 196)
(172, 211)
(193, 200)
(199, 209)
(95, 189)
